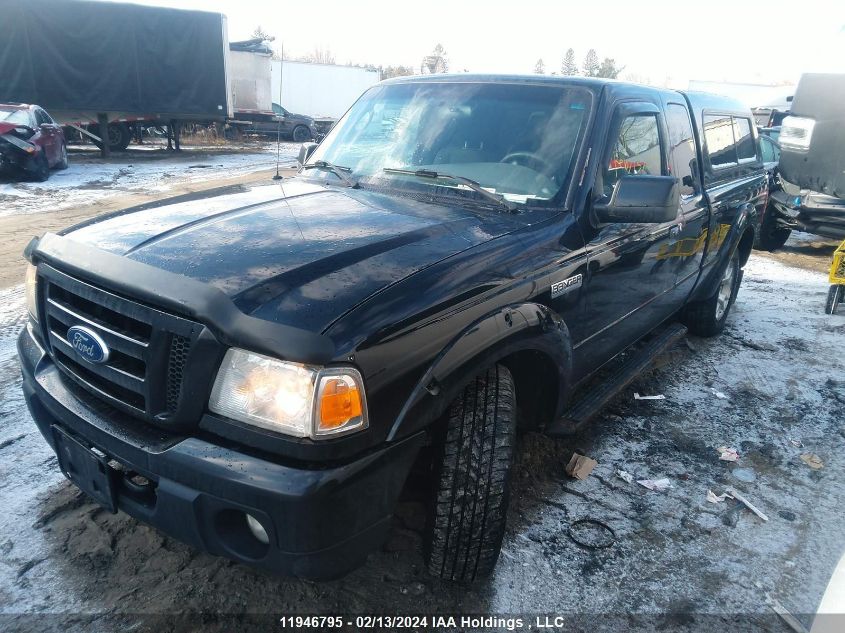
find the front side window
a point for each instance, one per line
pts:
(719, 134)
(518, 141)
(636, 151)
(682, 148)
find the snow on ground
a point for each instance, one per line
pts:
(677, 563)
(89, 178)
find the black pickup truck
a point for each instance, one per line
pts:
(256, 372)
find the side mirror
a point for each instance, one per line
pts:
(641, 199)
(305, 151)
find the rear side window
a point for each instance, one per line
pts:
(636, 151)
(682, 148)
(745, 147)
(719, 134)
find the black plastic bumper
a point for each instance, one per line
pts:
(321, 523)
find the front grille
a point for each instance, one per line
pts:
(148, 349)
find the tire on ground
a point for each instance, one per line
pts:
(39, 167)
(771, 237)
(472, 479)
(707, 317)
(63, 162)
(301, 134)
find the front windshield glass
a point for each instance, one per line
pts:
(16, 116)
(515, 140)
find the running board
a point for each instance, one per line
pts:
(594, 400)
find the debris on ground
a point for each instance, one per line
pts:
(718, 394)
(580, 466)
(625, 476)
(744, 474)
(712, 497)
(785, 615)
(727, 454)
(747, 503)
(796, 443)
(812, 460)
(592, 533)
(658, 485)
(639, 397)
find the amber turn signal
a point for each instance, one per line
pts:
(340, 402)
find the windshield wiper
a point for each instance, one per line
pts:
(340, 172)
(469, 182)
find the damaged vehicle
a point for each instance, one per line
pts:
(31, 143)
(812, 162)
(257, 373)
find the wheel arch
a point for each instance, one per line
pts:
(530, 339)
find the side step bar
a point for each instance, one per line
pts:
(594, 400)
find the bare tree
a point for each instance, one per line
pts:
(319, 56)
(540, 67)
(396, 71)
(591, 63)
(569, 67)
(437, 62)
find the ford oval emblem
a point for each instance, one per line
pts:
(87, 344)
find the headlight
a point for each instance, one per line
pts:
(288, 397)
(796, 133)
(32, 291)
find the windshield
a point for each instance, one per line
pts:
(515, 140)
(18, 117)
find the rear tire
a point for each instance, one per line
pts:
(63, 162)
(771, 237)
(707, 317)
(473, 466)
(834, 298)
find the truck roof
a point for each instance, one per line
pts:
(698, 100)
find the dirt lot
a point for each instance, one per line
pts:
(772, 386)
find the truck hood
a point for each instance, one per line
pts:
(303, 256)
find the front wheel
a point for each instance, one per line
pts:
(62, 164)
(473, 466)
(301, 134)
(834, 298)
(771, 237)
(39, 168)
(707, 317)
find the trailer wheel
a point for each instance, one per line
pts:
(119, 136)
(301, 134)
(472, 479)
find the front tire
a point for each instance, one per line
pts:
(39, 169)
(707, 317)
(301, 134)
(771, 237)
(63, 162)
(473, 466)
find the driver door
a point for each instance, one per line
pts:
(629, 283)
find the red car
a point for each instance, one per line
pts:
(30, 141)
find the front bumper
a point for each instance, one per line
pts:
(321, 522)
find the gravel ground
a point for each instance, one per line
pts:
(772, 387)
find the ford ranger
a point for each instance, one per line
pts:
(257, 371)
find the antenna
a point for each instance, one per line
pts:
(278, 176)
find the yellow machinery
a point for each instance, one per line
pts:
(837, 280)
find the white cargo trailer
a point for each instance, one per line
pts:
(321, 91)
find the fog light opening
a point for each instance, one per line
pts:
(257, 529)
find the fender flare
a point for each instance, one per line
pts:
(505, 331)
